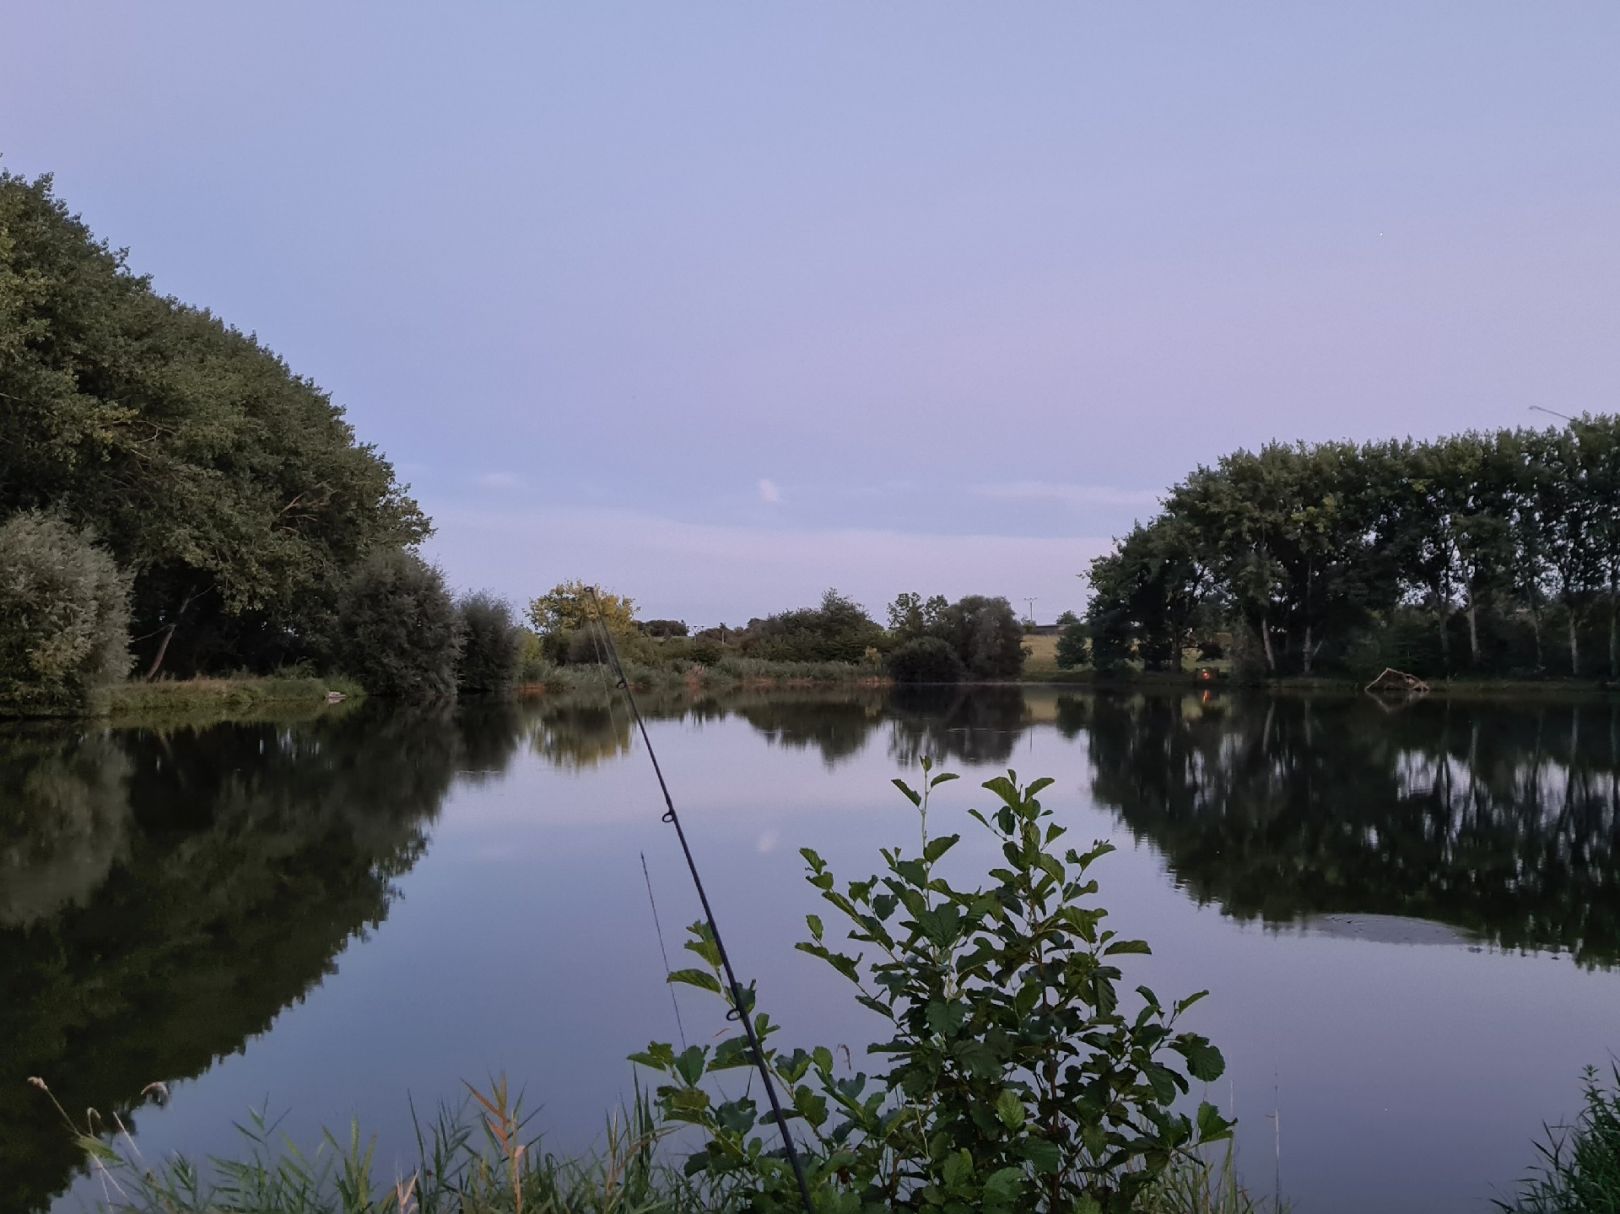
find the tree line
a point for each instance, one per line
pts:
(175, 499)
(1481, 553)
(928, 640)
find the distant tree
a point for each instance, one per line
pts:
(986, 635)
(569, 606)
(664, 628)
(64, 614)
(398, 631)
(492, 644)
(925, 660)
(1073, 647)
(839, 630)
(1067, 618)
(910, 615)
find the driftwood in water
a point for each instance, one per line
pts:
(1398, 680)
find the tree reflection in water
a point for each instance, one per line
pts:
(1498, 819)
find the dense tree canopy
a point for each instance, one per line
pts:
(984, 633)
(231, 490)
(839, 630)
(1487, 553)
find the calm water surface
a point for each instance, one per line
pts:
(1409, 918)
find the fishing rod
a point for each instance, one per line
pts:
(734, 989)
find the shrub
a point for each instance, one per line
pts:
(925, 660)
(492, 644)
(1020, 1080)
(397, 630)
(837, 631)
(707, 652)
(64, 614)
(1074, 646)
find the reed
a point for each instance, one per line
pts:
(1579, 1167)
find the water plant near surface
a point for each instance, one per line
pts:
(1019, 1079)
(1579, 1171)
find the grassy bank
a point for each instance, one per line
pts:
(190, 698)
(748, 674)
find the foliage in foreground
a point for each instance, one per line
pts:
(1579, 1171)
(482, 1159)
(1019, 1080)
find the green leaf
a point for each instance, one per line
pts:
(658, 1056)
(938, 847)
(1044, 1155)
(1183, 1004)
(1127, 946)
(1212, 1127)
(700, 978)
(911, 794)
(1204, 1061)
(1001, 1187)
(944, 777)
(689, 1065)
(1010, 1109)
(814, 923)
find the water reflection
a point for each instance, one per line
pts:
(167, 893)
(1497, 819)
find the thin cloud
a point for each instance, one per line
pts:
(1073, 496)
(500, 482)
(768, 492)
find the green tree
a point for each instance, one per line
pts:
(492, 644)
(1074, 644)
(569, 606)
(986, 634)
(64, 615)
(398, 631)
(232, 489)
(910, 615)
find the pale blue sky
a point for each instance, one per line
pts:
(723, 304)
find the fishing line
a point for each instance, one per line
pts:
(739, 1002)
(662, 951)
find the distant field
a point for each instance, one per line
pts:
(1042, 654)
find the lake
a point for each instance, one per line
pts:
(1408, 914)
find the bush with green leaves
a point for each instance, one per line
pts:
(492, 644)
(64, 615)
(398, 631)
(1019, 1079)
(1074, 645)
(925, 660)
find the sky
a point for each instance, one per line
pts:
(719, 305)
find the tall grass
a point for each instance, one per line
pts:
(479, 1159)
(1579, 1171)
